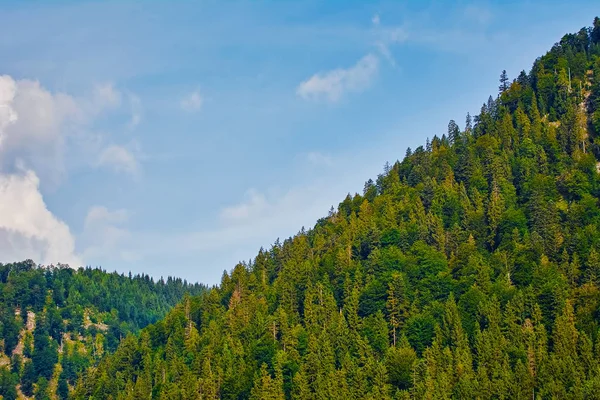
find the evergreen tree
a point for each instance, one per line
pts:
(503, 82)
(595, 34)
(28, 378)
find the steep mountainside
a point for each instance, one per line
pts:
(471, 269)
(55, 322)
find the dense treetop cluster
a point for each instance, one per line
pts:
(56, 321)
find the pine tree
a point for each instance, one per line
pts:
(301, 389)
(468, 124)
(494, 212)
(7, 385)
(28, 378)
(42, 390)
(453, 132)
(503, 82)
(400, 362)
(595, 34)
(397, 303)
(62, 390)
(593, 267)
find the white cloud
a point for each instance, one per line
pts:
(386, 52)
(389, 36)
(334, 84)
(27, 228)
(38, 127)
(192, 102)
(100, 214)
(31, 126)
(8, 115)
(463, 30)
(105, 95)
(254, 206)
(119, 159)
(255, 221)
(396, 34)
(31, 119)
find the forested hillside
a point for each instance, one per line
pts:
(55, 322)
(470, 269)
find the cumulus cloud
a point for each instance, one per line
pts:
(332, 85)
(119, 159)
(31, 126)
(30, 137)
(8, 115)
(192, 102)
(27, 228)
(37, 128)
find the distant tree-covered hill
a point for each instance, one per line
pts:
(57, 321)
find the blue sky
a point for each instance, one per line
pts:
(177, 138)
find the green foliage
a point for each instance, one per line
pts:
(28, 378)
(85, 312)
(470, 269)
(8, 382)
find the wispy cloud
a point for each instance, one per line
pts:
(463, 32)
(332, 85)
(192, 102)
(104, 232)
(119, 159)
(106, 95)
(253, 207)
(261, 215)
(319, 159)
(375, 19)
(388, 36)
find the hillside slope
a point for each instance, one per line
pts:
(56, 321)
(471, 269)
